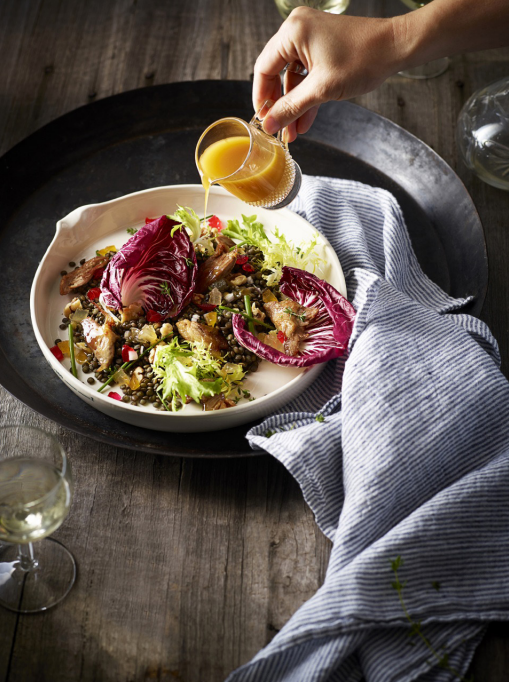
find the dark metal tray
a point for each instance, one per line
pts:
(146, 138)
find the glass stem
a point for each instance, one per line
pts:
(27, 561)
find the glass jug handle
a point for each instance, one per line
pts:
(257, 122)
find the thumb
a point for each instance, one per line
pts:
(294, 104)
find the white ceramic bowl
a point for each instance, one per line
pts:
(96, 226)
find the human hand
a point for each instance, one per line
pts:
(344, 56)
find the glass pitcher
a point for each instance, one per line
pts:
(254, 166)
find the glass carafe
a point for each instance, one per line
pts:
(483, 133)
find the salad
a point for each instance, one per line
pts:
(188, 308)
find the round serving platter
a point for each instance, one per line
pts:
(146, 138)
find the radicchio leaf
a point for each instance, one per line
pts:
(153, 268)
(328, 333)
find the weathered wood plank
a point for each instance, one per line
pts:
(172, 575)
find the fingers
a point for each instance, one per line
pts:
(297, 109)
(295, 104)
(305, 122)
(291, 80)
(272, 60)
(291, 133)
(265, 88)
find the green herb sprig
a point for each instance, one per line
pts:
(165, 404)
(245, 316)
(71, 351)
(442, 658)
(165, 288)
(302, 317)
(279, 429)
(249, 312)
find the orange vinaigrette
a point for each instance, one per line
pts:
(250, 172)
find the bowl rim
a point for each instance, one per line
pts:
(93, 394)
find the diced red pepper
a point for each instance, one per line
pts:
(248, 267)
(98, 273)
(149, 220)
(125, 352)
(207, 307)
(242, 260)
(94, 293)
(57, 352)
(215, 222)
(153, 316)
(281, 337)
(114, 395)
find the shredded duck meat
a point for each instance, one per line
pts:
(292, 319)
(82, 275)
(202, 333)
(132, 312)
(217, 402)
(216, 267)
(101, 339)
(225, 241)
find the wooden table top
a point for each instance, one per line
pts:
(186, 567)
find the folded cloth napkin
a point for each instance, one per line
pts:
(412, 460)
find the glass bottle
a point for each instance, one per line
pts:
(483, 133)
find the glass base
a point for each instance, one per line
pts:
(35, 588)
(430, 70)
(297, 181)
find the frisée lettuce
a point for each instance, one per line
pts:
(187, 370)
(198, 230)
(277, 251)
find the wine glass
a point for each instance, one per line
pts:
(432, 69)
(331, 6)
(35, 497)
(483, 133)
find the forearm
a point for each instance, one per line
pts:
(446, 27)
(348, 56)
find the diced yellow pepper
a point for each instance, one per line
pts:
(268, 296)
(64, 347)
(103, 252)
(80, 354)
(147, 334)
(135, 382)
(211, 318)
(122, 378)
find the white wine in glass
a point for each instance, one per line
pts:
(432, 69)
(35, 497)
(331, 6)
(415, 4)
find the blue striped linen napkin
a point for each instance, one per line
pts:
(412, 460)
